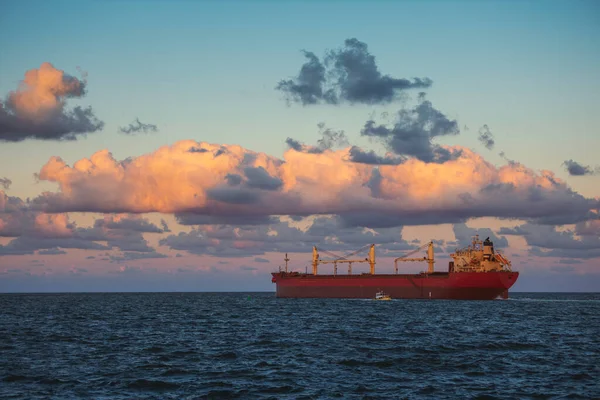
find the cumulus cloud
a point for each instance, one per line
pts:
(37, 109)
(173, 180)
(486, 137)
(137, 127)
(349, 74)
(413, 132)
(576, 169)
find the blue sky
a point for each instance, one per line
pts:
(206, 71)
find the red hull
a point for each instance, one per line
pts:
(438, 285)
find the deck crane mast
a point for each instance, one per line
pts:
(344, 259)
(429, 259)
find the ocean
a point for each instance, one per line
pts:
(255, 346)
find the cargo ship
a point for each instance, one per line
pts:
(476, 272)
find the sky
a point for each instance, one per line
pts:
(187, 146)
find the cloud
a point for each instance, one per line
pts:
(259, 178)
(33, 230)
(576, 169)
(36, 110)
(128, 256)
(349, 74)
(52, 251)
(563, 244)
(330, 139)
(130, 222)
(5, 183)
(173, 180)
(486, 137)
(329, 233)
(196, 219)
(413, 132)
(261, 260)
(588, 228)
(247, 268)
(370, 157)
(137, 127)
(464, 235)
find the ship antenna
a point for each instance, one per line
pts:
(286, 259)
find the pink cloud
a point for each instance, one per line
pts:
(229, 180)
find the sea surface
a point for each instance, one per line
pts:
(255, 346)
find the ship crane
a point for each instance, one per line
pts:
(429, 259)
(344, 259)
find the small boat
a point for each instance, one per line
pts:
(382, 296)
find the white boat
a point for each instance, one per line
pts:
(382, 296)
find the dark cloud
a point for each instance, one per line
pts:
(413, 132)
(36, 110)
(132, 223)
(576, 169)
(61, 125)
(486, 137)
(5, 183)
(307, 87)
(138, 127)
(196, 219)
(247, 268)
(197, 150)
(233, 195)
(370, 157)
(382, 219)
(349, 74)
(259, 178)
(233, 179)
(330, 139)
(261, 260)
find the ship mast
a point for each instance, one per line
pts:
(429, 259)
(286, 259)
(344, 259)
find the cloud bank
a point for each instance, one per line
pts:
(230, 182)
